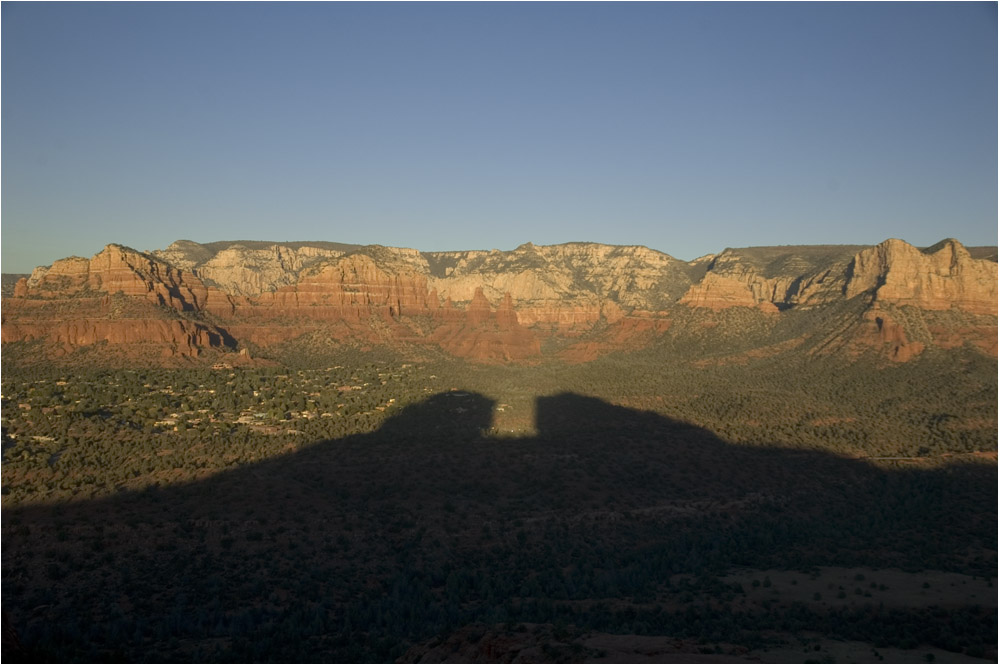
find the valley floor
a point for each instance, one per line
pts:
(372, 508)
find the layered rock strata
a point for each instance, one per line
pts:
(942, 277)
(497, 306)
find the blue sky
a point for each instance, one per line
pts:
(683, 127)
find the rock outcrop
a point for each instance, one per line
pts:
(488, 335)
(171, 337)
(118, 296)
(119, 269)
(772, 278)
(718, 291)
(941, 277)
(500, 306)
(563, 289)
(352, 287)
(248, 268)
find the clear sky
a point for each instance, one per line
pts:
(683, 127)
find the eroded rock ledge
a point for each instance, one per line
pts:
(493, 305)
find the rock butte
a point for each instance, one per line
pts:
(498, 306)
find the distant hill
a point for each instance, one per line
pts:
(573, 301)
(984, 252)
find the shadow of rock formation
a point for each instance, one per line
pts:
(355, 549)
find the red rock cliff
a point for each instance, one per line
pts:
(940, 278)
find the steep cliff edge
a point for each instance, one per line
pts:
(351, 287)
(119, 296)
(376, 295)
(243, 270)
(115, 269)
(564, 289)
(773, 278)
(587, 298)
(942, 277)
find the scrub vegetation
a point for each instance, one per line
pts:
(363, 506)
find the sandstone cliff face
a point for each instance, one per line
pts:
(21, 289)
(732, 281)
(352, 287)
(241, 271)
(488, 335)
(361, 297)
(494, 306)
(627, 273)
(879, 329)
(943, 277)
(939, 278)
(172, 337)
(70, 304)
(565, 289)
(119, 269)
(772, 278)
(718, 291)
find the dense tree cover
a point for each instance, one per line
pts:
(345, 507)
(91, 432)
(937, 404)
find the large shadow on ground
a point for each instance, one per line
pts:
(354, 549)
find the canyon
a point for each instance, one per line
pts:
(572, 302)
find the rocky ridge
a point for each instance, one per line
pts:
(942, 277)
(773, 278)
(499, 306)
(246, 271)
